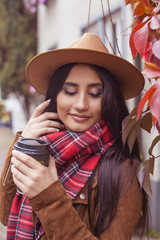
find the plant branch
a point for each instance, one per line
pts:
(89, 11)
(110, 16)
(157, 157)
(104, 28)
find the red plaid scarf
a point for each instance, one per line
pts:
(76, 156)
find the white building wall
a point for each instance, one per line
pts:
(13, 105)
(61, 22)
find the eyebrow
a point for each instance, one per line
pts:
(89, 85)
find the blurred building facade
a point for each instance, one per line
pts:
(62, 22)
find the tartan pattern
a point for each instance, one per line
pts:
(20, 220)
(76, 156)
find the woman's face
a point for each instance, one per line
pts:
(79, 101)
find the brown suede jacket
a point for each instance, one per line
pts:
(64, 219)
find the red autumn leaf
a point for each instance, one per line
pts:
(151, 70)
(155, 22)
(139, 8)
(140, 39)
(129, 1)
(131, 40)
(132, 2)
(146, 2)
(153, 59)
(155, 101)
(153, 36)
(143, 101)
(147, 51)
(131, 43)
(156, 49)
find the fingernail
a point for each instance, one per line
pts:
(12, 166)
(49, 100)
(13, 152)
(57, 130)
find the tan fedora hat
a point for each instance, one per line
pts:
(88, 49)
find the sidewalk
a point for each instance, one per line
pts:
(2, 232)
(6, 139)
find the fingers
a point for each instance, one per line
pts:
(40, 109)
(30, 176)
(26, 172)
(24, 162)
(50, 116)
(23, 182)
(36, 128)
(17, 175)
(42, 123)
(50, 124)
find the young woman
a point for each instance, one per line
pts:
(90, 189)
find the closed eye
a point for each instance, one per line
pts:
(96, 95)
(70, 93)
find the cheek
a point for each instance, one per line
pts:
(99, 114)
(63, 105)
(96, 108)
(59, 104)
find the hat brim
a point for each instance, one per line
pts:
(42, 67)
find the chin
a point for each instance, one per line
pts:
(78, 129)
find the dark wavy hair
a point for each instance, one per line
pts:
(110, 167)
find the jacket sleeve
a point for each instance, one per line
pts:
(7, 186)
(61, 221)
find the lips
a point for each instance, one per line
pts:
(79, 117)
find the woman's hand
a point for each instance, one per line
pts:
(41, 123)
(30, 176)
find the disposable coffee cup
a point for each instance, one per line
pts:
(34, 147)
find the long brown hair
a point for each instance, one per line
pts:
(114, 110)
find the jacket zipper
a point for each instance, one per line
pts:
(7, 172)
(79, 208)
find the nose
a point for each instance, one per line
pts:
(81, 102)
